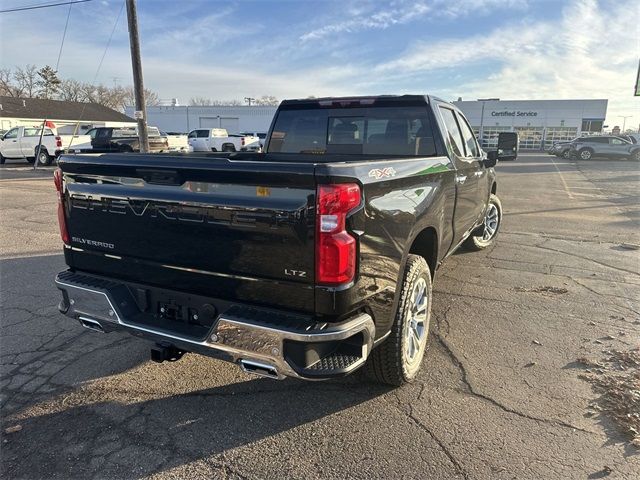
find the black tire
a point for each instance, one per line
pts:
(391, 362)
(228, 148)
(43, 158)
(486, 234)
(585, 154)
(635, 155)
(2, 159)
(214, 149)
(566, 154)
(126, 149)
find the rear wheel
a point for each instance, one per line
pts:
(228, 148)
(43, 157)
(585, 154)
(485, 235)
(566, 154)
(635, 155)
(397, 361)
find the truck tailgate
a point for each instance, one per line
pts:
(236, 229)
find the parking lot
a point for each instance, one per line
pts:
(520, 335)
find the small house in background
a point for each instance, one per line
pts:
(18, 112)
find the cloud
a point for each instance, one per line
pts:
(363, 17)
(587, 52)
(362, 20)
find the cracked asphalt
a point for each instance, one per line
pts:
(499, 395)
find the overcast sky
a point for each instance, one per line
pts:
(510, 49)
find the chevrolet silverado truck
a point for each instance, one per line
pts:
(310, 260)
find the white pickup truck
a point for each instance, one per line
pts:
(22, 142)
(218, 140)
(178, 142)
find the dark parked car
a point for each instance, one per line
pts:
(310, 260)
(112, 139)
(607, 146)
(561, 149)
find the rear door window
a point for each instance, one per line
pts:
(469, 138)
(453, 131)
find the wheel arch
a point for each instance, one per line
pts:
(425, 244)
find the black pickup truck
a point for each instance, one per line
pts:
(310, 260)
(112, 139)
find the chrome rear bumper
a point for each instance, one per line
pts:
(260, 344)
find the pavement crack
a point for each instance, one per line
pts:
(443, 446)
(470, 389)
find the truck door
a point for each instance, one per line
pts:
(474, 155)
(11, 144)
(468, 207)
(29, 141)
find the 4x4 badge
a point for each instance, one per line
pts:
(382, 172)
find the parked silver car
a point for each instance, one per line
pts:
(608, 146)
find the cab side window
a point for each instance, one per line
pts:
(453, 131)
(469, 138)
(202, 133)
(13, 133)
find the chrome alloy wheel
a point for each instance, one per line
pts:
(491, 221)
(415, 334)
(585, 154)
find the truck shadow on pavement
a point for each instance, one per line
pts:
(140, 438)
(79, 404)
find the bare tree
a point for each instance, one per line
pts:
(26, 80)
(200, 102)
(7, 88)
(19, 83)
(267, 100)
(129, 98)
(71, 91)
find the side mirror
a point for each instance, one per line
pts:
(508, 145)
(491, 160)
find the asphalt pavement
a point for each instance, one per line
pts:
(502, 394)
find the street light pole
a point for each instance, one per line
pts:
(249, 100)
(138, 84)
(624, 121)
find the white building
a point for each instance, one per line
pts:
(235, 119)
(539, 123)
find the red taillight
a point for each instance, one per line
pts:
(58, 142)
(242, 141)
(62, 222)
(335, 247)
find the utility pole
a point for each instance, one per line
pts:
(624, 122)
(249, 100)
(138, 84)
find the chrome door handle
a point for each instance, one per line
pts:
(479, 174)
(461, 179)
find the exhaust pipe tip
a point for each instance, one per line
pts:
(261, 369)
(91, 325)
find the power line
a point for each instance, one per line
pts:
(64, 35)
(106, 48)
(46, 5)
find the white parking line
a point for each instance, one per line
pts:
(564, 183)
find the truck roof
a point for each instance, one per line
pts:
(377, 100)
